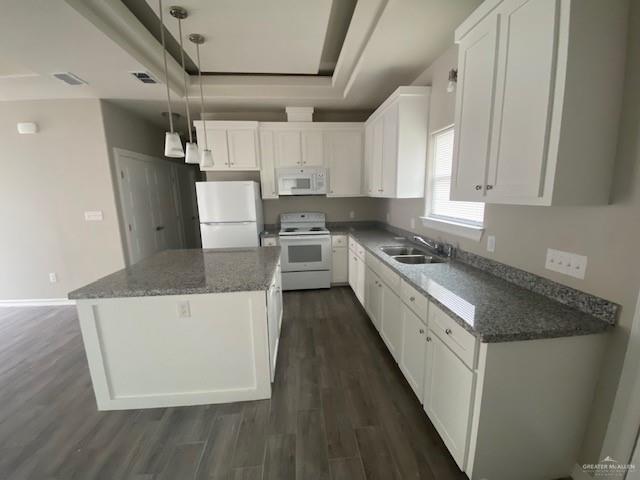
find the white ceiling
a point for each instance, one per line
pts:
(388, 43)
(254, 36)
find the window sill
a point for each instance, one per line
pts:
(464, 230)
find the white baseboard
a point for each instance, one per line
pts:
(579, 474)
(37, 302)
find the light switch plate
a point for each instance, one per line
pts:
(93, 216)
(491, 243)
(53, 278)
(184, 309)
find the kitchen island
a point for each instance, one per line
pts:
(184, 327)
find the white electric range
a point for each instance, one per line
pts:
(306, 251)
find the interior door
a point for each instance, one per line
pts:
(474, 109)
(524, 99)
(447, 396)
(288, 148)
(243, 152)
(343, 149)
(170, 225)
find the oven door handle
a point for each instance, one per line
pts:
(308, 238)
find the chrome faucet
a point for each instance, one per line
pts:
(440, 248)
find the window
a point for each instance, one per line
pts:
(439, 209)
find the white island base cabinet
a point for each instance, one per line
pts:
(177, 350)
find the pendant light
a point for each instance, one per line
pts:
(172, 142)
(206, 158)
(191, 148)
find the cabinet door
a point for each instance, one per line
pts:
(391, 328)
(339, 265)
(217, 142)
(413, 350)
(312, 148)
(353, 272)
(524, 99)
(447, 396)
(474, 109)
(267, 165)
(343, 151)
(288, 148)
(368, 151)
(373, 297)
(360, 280)
(243, 154)
(375, 175)
(390, 150)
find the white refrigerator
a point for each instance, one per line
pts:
(230, 214)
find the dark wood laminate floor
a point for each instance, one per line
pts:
(340, 410)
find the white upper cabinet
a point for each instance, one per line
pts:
(536, 121)
(397, 144)
(234, 145)
(288, 148)
(343, 150)
(268, 184)
(312, 148)
(298, 146)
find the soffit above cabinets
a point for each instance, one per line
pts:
(262, 37)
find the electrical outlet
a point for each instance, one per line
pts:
(53, 278)
(557, 261)
(352, 214)
(413, 223)
(491, 243)
(578, 266)
(184, 310)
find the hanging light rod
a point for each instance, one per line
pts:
(206, 158)
(191, 148)
(172, 142)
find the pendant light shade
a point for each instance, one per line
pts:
(172, 143)
(192, 153)
(206, 157)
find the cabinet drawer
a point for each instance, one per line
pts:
(414, 300)
(453, 335)
(339, 240)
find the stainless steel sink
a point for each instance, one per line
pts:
(417, 259)
(400, 250)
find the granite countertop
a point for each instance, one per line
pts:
(186, 272)
(489, 307)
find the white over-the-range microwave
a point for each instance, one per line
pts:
(302, 181)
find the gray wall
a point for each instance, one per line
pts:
(337, 209)
(609, 235)
(48, 181)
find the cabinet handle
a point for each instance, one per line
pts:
(421, 331)
(428, 339)
(448, 331)
(478, 187)
(489, 187)
(413, 299)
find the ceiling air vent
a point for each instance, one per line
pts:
(69, 78)
(144, 77)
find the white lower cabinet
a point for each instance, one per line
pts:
(274, 319)
(448, 386)
(373, 297)
(357, 270)
(391, 328)
(412, 353)
(339, 265)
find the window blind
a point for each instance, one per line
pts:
(440, 185)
